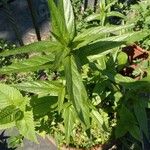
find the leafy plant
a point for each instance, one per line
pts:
(73, 97)
(105, 12)
(139, 14)
(126, 102)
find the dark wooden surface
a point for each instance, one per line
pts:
(22, 15)
(21, 12)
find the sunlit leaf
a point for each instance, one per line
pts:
(42, 46)
(93, 17)
(61, 98)
(40, 87)
(69, 18)
(32, 64)
(11, 96)
(58, 23)
(76, 89)
(26, 126)
(95, 114)
(69, 121)
(96, 33)
(116, 14)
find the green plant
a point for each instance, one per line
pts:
(125, 102)
(105, 12)
(139, 14)
(71, 99)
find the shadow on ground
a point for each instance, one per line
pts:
(20, 11)
(44, 144)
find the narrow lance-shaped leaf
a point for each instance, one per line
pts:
(105, 46)
(41, 46)
(126, 123)
(68, 115)
(128, 82)
(102, 10)
(61, 98)
(40, 87)
(76, 89)
(116, 14)
(136, 133)
(58, 23)
(140, 112)
(97, 117)
(96, 33)
(69, 18)
(93, 17)
(59, 57)
(110, 4)
(31, 64)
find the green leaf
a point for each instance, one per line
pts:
(26, 126)
(126, 115)
(58, 23)
(31, 64)
(135, 132)
(137, 36)
(69, 120)
(95, 114)
(122, 60)
(61, 98)
(7, 125)
(69, 18)
(127, 123)
(41, 106)
(102, 46)
(10, 114)
(116, 14)
(102, 11)
(120, 130)
(122, 79)
(40, 87)
(96, 33)
(59, 57)
(101, 63)
(130, 83)
(93, 17)
(76, 89)
(11, 96)
(41, 46)
(105, 46)
(140, 112)
(111, 4)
